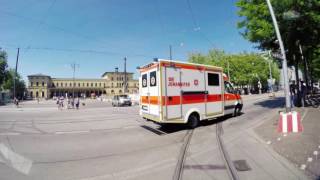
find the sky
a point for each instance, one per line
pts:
(98, 34)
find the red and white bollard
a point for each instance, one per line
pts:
(290, 122)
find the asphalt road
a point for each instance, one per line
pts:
(38, 141)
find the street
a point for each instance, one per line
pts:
(98, 141)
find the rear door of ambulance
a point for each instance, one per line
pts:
(171, 88)
(150, 92)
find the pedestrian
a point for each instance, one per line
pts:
(292, 93)
(77, 102)
(16, 102)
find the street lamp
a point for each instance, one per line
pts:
(284, 59)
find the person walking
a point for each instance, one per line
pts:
(77, 102)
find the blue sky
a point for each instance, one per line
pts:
(51, 33)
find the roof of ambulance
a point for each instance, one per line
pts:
(178, 62)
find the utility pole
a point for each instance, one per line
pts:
(15, 75)
(125, 76)
(117, 78)
(228, 71)
(284, 59)
(73, 66)
(270, 75)
(306, 69)
(170, 52)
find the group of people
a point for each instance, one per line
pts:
(71, 103)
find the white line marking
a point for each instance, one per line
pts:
(309, 159)
(9, 134)
(303, 166)
(15, 160)
(295, 122)
(315, 153)
(71, 132)
(279, 139)
(304, 114)
(284, 123)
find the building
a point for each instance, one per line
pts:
(111, 83)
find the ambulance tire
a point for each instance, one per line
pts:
(193, 120)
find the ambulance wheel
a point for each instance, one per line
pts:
(193, 121)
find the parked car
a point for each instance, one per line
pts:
(121, 100)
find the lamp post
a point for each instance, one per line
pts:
(284, 59)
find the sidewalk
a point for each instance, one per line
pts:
(302, 149)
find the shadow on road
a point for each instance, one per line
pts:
(173, 128)
(277, 102)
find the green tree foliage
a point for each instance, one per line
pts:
(299, 23)
(244, 68)
(20, 84)
(3, 66)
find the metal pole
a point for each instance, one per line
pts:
(270, 74)
(170, 50)
(228, 71)
(306, 70)
(15, 75)
(125, 76)
(284, 61)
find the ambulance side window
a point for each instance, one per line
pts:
(213, 79)
(144, 80)
(153, 78)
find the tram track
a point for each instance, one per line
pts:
(178, 173)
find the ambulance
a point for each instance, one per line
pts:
(180, 92)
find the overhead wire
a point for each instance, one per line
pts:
(197, 27)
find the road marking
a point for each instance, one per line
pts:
(71, 132)
(303, 166)
(309, 159)
(304, 114)
(15, 160)
(279, 139)
(9, 134)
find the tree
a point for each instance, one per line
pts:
(3, 66)
(245, 68)
(299, 23)
(20, 84)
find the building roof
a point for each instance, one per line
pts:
(77, 79)
(113, 72)
(39, 74)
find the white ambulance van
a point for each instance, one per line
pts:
(179, 92)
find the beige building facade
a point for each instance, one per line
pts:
(111, 83)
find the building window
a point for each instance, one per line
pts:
(104, 85)
(111, 78)
(82, 84)
(42, 83)
(31, 83)
(99, 84)
(57, 84)
(66, 84)
(79, 84)
(70, 84)
(111, 84)
(91, 84)
(96, 84)
(37, 83)
(61, 84)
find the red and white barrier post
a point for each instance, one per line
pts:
(290, 122)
